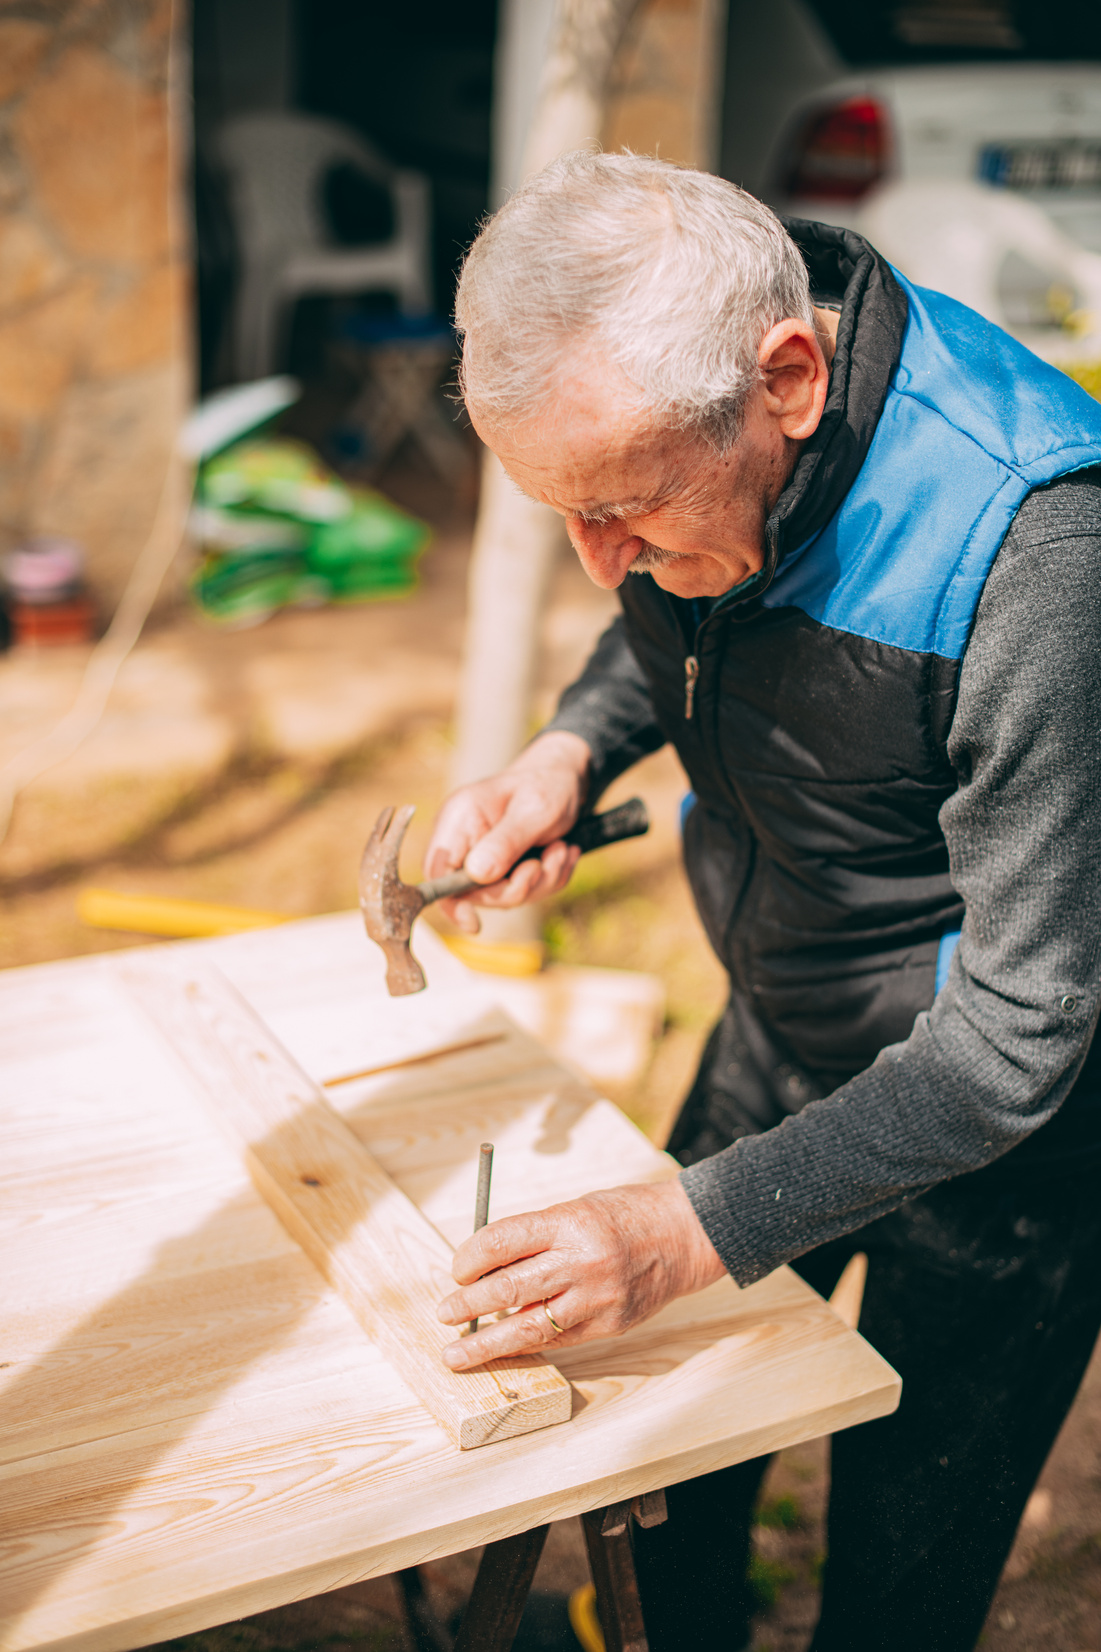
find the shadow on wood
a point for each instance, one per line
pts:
(386, 1261)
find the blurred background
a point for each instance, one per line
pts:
(252, 562)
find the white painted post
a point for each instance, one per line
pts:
(572, 45)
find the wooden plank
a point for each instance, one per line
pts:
(387, 1262)
(192, 1425)
(288, 1484)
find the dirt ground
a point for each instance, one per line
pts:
(281, 829)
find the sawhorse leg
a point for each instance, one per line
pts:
(613, 1567)
(496, 1602)
(423, 1629)
(504, 1579)
(500, 1591)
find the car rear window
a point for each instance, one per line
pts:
(951, 31)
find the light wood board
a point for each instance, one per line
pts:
(193, 1427)
(387, 1263)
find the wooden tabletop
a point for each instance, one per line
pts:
(193, 1427)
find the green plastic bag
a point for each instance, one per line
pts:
(277, 528)
(278, 475)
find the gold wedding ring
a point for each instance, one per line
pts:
(560, 1329)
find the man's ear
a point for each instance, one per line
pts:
(795, 378)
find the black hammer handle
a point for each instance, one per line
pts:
(630, 819)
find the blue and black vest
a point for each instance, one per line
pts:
(823, 690)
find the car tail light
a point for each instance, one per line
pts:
(841, 152)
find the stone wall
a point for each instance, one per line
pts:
(94, 308)
(95, 311)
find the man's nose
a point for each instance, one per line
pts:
(606, 549)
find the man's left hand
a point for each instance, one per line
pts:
(600, 1264)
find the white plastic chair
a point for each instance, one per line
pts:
(276, 166)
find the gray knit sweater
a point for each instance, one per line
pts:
(1005, 1039)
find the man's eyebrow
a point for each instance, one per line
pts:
(599, 514)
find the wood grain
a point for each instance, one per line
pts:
(388, 1264)
(192, 1425)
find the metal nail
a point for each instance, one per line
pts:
(481, 1201)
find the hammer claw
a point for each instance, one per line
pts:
(388, 905)
(379, 830)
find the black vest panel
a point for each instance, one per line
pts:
(819, 764)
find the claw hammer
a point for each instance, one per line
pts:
(390, 906)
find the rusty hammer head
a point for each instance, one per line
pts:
(390, 906)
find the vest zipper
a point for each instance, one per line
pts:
(701, 617)
(691, 673)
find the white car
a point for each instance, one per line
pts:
(1031, 128)
(980, 179)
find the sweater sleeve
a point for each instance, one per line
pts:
(609, 708)
(1006, 1037)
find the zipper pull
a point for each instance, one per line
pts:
(691, 672)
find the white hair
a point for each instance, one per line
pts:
(671, 275)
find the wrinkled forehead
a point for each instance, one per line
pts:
(592, 458)
(569, 371)
(587, 404)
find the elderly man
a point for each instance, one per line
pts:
(855, 530)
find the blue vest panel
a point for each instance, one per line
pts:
(972, 423)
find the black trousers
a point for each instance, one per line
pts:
(985, 1295)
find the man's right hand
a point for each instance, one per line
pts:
(485, 827)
